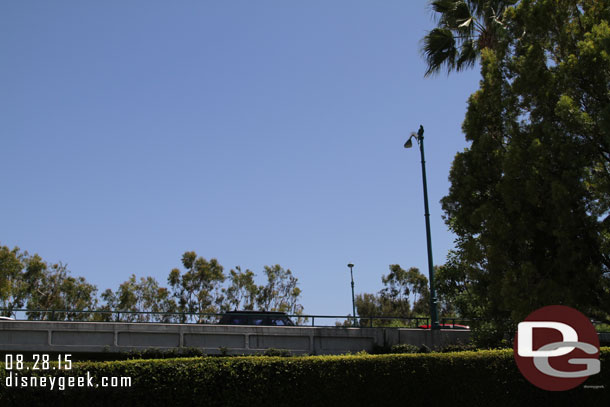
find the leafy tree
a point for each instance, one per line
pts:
(454, 285)
(529, 197)
(400, 285)
(464, 29)
(280, 293)
(135, 296)
(124, 299)
(30, 282)
(12, 292)
(196, 291)
(50, 287)
(77, 295)
(367, 306)
(27, 281)
(405, 295)
(154, 298)
(410, 285)
(242, 292)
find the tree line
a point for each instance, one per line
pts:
(201, 287)
(405, 294)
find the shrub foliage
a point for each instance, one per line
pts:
(459, 378)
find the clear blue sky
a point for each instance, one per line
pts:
(256, 132)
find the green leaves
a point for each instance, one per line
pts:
(485, 378)
(439, 49)
(50, 287)
(145, 295)
(200, 290)
(405, 294)
(529, 199)
(241, 294)
(29, 281)
(12, 291)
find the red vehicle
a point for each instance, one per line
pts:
(447, 326)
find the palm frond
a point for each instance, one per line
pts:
(468, 56)
(444, 6)
(464, 27)
(439, 49)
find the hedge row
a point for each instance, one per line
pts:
(484, 378)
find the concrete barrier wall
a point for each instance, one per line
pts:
(41, 336)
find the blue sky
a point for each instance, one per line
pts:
(256, 132)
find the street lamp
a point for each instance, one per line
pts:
(420, 140)
(351, 266)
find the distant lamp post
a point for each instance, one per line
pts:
(351, 266)
(433, 302)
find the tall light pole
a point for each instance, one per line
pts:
(351, 266)
(433, 309)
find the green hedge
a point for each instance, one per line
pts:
(484, 378)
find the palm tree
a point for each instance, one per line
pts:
(464, 28)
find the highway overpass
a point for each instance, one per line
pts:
(112, 337)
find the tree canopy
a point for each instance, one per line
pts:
(405, 294)
(529, 197)
(28, 282)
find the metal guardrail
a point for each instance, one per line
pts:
(214, 318)
(209, 318)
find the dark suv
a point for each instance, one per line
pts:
(265, 318)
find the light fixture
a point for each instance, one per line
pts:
(419, 136)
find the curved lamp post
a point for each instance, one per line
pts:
(351, 266)
(420, 140)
